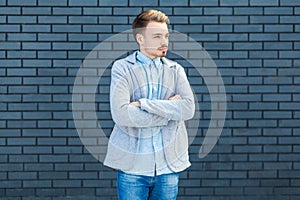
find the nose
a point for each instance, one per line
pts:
(164, 41)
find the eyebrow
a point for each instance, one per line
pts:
(160, 34)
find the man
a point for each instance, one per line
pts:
(150, 98)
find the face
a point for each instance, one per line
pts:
(154, 40)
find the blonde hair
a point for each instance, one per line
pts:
(142, 20)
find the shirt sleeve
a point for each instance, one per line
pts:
(122, 112)
(181, 109)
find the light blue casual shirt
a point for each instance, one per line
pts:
(151, 137)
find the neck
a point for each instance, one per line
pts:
(146, 54)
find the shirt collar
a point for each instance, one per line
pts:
(142, 58)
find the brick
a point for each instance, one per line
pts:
(121, 28)
(277, 97)
(36, 46)
(10, 150)
(37, 150)
(263, 37)
(233, 3)
(289, 20)
(38, 167)
(278, 28)
(82, 37)
(52, 19)
(36, 10)
(289, 3)
(24, 3)
(204, 20)
(52, 37)
(278, 11)
(113, 20)
(22, 106)
(21, 37)
(113, 2)
(248, 45)
(53, 159)
(52, 3)
(218, 28)
(233, 19)
(21, 124)
(82, 19)
(233, 37)
(36, 184)
(52, 54)
(264, 3)
(36, 81)
(126, 11)
(264, 19)
(36, 97)
(248, 10)
(217, 11)
(278, 80)
(22, 89)
(203, 3)
(81, 3)
(95, 10)
(262, 72)
(263, 123)
(52, 141)
(36, 28)
(10, 184)
(67, 11)
(97, 28)
(9, 28)
(23, 141)
(35, 62)
(219, 45)
(67, 183)
(36, 115)
(20, 192)
(55, 192)
(96, 183)
(22, 175)
(289, 54)
(10, 115)
(233, 54)
(288, 123)
(21, 54)
(10, 10)
(248, 28)
(289, 36)
(53, 106)
(188, 11)
(10, 81)
(278, 131)
(21, 72)
(263, 54)
(178, 19)
(23, 19)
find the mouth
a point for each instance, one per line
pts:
(163, 49)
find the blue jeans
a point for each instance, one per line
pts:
(135, 187)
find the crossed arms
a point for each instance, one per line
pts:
(147, 112)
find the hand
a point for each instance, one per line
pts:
(176, 97)
(136, 103)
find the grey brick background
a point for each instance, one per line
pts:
(255, 44)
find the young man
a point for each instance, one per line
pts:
(150, 98)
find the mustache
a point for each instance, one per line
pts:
(163, 46)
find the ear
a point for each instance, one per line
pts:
(139, 38)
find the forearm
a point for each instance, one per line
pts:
(180, 109)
